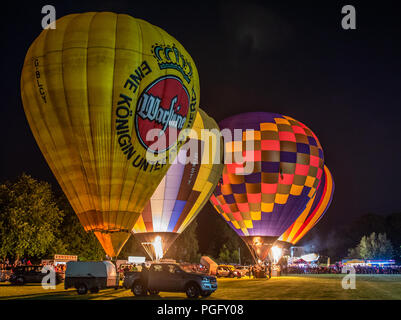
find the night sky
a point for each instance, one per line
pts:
(293, 59)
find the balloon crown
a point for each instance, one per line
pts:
(169, 57)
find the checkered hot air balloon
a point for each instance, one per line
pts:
(262, 194)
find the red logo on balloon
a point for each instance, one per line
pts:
(163, 106)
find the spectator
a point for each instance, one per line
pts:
(336, 269)
(145, 277)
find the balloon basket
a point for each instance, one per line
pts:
(276, 273)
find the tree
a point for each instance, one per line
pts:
(228, 256)
(224, 255)
(75, 239)
(225, 238)
(186, 247)
(214, 232)
(354, 252)
(29, 218)
(373, 247)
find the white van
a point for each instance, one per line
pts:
(90, 275)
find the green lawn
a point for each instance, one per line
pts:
(303, 287)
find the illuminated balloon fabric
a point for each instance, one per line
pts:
(288, 165)
(183, 191)
(91, 90)
(313, 212)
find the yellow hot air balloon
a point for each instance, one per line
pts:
(102, 93)
(184, 190)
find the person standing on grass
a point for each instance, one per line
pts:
(145, 278)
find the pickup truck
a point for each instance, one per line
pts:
(170, 277)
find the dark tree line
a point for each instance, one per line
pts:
(337, 243)
(37, 222)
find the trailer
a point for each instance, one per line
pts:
(90, 275)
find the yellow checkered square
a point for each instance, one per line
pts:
(248, 224)
(281, 121)
(281, 198)
(255, 215)
(296, 190)
(233, 146)
(268, 127)
(310, 181)
(250, 135)
(267, 207)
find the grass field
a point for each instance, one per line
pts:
(299, 287)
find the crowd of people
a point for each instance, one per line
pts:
(266, 270)
(310, 269)
(7, 265)
(260, 271)
(195, 267)
(378, 270)
(336, 269)
(59, 268)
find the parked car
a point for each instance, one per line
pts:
(227, 271)
(222, 271)
(170, 277)
(30, 274)
(90, 275)
(243, 270)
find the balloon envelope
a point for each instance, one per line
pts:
(92, 90)
(263, 193)
(313, 212)
(185, 189)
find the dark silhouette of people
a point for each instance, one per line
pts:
(270, 270)
(145, 278)
(251, 272)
